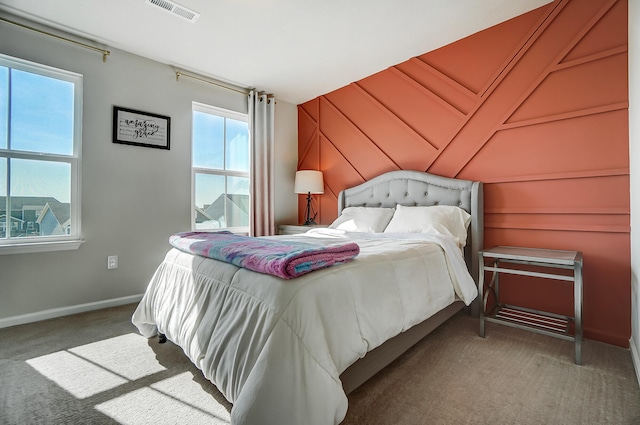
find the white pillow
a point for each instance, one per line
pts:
(439, 219)
(363, 219)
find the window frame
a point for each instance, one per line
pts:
(72, 240)
(226, 113)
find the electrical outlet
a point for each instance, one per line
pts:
(112, 262)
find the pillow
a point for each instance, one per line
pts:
(439, 219)
(363, 219)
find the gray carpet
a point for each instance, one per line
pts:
(94, 368)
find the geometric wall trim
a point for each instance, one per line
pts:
(537, 109)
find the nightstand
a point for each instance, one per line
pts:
(294, 229)
(545, 323)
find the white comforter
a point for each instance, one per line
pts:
(275, 348)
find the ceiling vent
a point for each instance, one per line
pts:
(175, 9)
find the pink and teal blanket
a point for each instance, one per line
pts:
(285, 259)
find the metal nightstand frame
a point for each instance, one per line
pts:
(523, 318)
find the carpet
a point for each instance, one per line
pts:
(94, 368)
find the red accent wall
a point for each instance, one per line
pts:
(537, 108)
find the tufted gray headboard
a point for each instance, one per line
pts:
(416, 188)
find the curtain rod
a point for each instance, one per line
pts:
(205, 80)
(104, 52)
(208, 81)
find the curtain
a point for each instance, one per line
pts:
(261, 139)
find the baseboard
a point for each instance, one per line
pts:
(66, 311)
(635, 357)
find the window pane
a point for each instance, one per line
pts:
(208, 141)
(237, 145)
(41, 178)
(4, 106)
(3, 177)
(237, 201)
(40, 195)
(221, 155)
(3, 198)
(41, 113)
(210, 201)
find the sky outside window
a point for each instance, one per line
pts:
(208, 141)
(237, 155)
(4, 106)
(3, 176)
(41, 121)
(41, 114)
(29, 177)
(209, 152)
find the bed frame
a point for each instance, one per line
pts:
(415, 188)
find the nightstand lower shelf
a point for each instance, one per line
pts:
(532, 320)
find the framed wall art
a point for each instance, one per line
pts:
(131, 127)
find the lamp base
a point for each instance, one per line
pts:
(309, 221)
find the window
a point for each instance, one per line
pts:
(40, 136)
(220, 169)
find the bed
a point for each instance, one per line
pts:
(288, 351)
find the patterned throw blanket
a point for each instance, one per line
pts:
(285, 259)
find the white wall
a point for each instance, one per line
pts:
(133, 198)
(634, 166)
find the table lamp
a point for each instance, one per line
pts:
(309, 182)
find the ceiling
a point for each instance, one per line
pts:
(295, 49)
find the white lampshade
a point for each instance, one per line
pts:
(308, 181)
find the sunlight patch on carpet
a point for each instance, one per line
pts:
(185, 402)
(127, 355)
(90, 369)
(183, 387)
(79, 377)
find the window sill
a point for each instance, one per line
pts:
(235, 230)
(31, 247)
